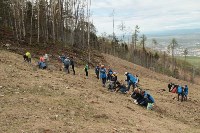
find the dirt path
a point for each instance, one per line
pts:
(49, 101)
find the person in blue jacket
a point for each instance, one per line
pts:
(180, 91)
(147, 98)
(103, 75)
(62, 58)
(131, 80)
(42, 65)
(185, 92)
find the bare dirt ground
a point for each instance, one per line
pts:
(50, 101)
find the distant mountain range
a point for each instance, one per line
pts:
(173, 32)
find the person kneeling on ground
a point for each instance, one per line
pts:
(147, 98)
(136, 95)
(112, 82)
(42, 64)
(121, 87)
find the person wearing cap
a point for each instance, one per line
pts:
(185, 92)
(131, 80)
(66, 64)
(103, 75)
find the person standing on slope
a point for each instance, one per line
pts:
(110, 72)
(97, 68)
(86, 70)
(180, 91)
(66, 64)
(72, 64)
(131, 80)
(103, 75)
(185, 92)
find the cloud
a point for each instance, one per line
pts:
(150, 15)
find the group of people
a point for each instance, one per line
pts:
(42, 63)
(109, 77)
(180, 90)
(140, 97)
(67, 62)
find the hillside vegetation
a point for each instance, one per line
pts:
(41, 101)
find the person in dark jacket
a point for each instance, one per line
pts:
(112, 81)
(97, 68)
(185, 92)
(121, 87)
(72, 64)
(137, 95)
(147, 98)
(86, 68)
(170, 86)
(109, 74)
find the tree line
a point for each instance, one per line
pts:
(48, 21)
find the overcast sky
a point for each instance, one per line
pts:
(150, 15)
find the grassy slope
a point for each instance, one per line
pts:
(191, 59)
(35, 100)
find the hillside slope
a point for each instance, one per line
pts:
(49, 101)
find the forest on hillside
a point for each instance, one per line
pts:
(67, 23)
